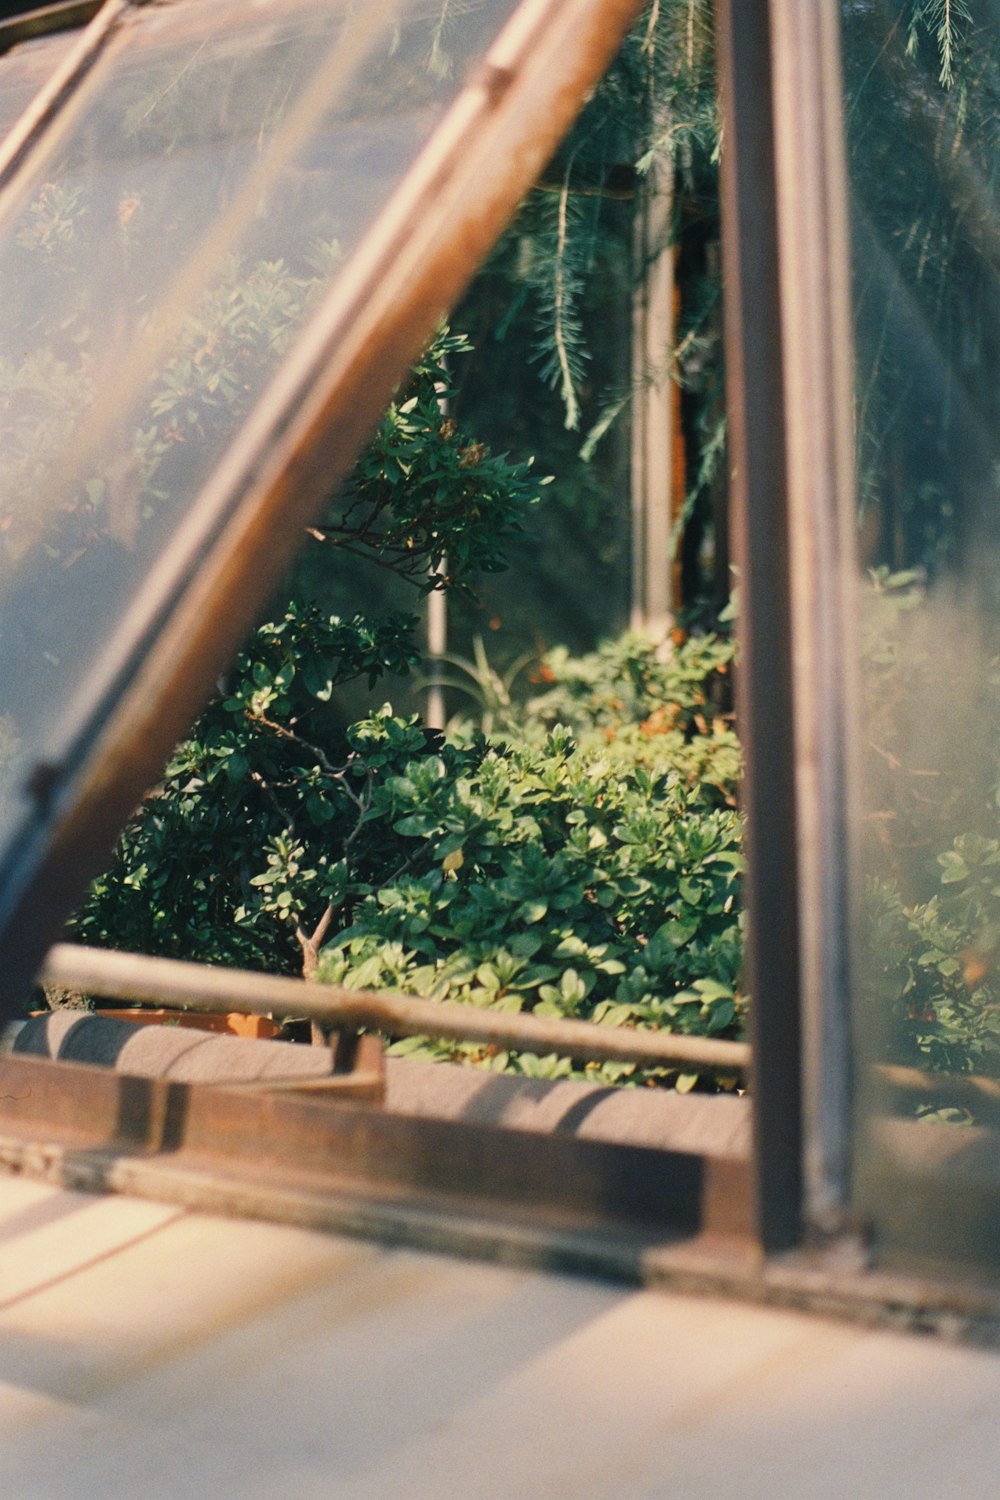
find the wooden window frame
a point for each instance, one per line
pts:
(778, 1228)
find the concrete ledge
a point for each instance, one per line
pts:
(165, 1052)
(718, 1124)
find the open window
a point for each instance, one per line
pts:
(177, 153)
(173, 144)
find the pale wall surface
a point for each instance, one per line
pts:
(158, 1354)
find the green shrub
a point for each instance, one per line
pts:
(644, 703)
(587, 875)
(936, 981)
(556, 879)
(629, 680)
(931, 910)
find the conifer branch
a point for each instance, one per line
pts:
(567, 385)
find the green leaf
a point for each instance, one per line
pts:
(953, 866)
(415, 825)
(721, 1016)
(317, 678)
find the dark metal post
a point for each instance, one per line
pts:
(755, 399)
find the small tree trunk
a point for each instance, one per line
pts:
(310, 944)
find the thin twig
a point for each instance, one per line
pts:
(286, 817)
(338, 773)
(561, 297)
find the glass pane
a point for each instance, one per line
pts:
(923, 101)
(25, 69)
(158, 259)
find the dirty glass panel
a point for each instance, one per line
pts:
(923, 104)
(25, 69)
(198, 196)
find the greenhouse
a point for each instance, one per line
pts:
(499, 805)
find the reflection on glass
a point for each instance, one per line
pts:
(922, 106)
(219, 164)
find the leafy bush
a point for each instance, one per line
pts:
(647, 704)
(937, 977)
(932, 788)
(556, 879)
(577, 875)
(628, 680)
